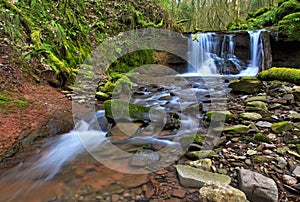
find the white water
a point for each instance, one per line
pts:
(42, 167)
(206, 50)
(256, 52)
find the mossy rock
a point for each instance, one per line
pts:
(290, 26)
(220, 116)
(118, 109)
(282, 126)
(286, 8)
(258, 104)
(237, 129)
(282, 74)
(261, 138)
(260, 11)
(102, 96)
(257, 98)
(252, 116)
(246, 85)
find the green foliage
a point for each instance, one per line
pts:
(286, 8)
(290, 26)
(282, 74)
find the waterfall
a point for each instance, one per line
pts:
(255, 53)
(214, 54)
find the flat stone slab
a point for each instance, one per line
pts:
(196, 177)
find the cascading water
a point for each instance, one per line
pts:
(214, 54)
(20, 181)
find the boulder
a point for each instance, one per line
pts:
(246, 85)
(282, 126)
(257, 187)
(218, 192)
(196, 177)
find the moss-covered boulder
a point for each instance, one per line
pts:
(258, 107)
(287, 8)
(246, 85)
(220, 116)
(290, 26)
(282, 126)
(118, 109)
(282, 74)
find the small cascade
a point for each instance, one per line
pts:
(255, 53)
(214, 54)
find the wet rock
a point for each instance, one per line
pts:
(246, 85)
(196, 177)
(220, 115)
(264, 124)
(282, 126)
(257, 98)
(296, 171)
(240, 129)
(257, 187)
(220, 193)
(143, 158)
(131, 180)
(251, 116)
(289, 180)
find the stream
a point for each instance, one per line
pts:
(67, 168)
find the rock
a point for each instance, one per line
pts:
(180, 193)
(296, 171)
(143, 158)
(282, 126)
(216, 192)
(262, 159)
(257, 98)
(289, 180)
(102, 96)
(240, 129)
(257, 104)
(204, 164)
(252, 116)
(251, 152)
(220, 115)
(296, 93)
(281, 162)
(264, 124)
(247, 85)
(133, 180)
(293, 115)
(118, 109)
(196, 177)
(275, 106)
(257, 187)
(201, 154)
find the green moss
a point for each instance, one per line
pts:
(290, 26)
(7, 103)
(117, 109)
(282, 74)
(282, 126)
(287, 8)
(260, 11)
(261, 138)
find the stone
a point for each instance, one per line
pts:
(275, 106)
(281, 162)
(204, 164)
(246, 85)
(196, 177)
(220, 115)
(296, 93)
(201, 154)
(296, 171)
(295, 116)
(257, 187)
(258, 104)
(251, 152)
(257, 98)
(180, 193)
(289, 180)
(102, 96)
(282, 126)
(264, 124)
(133, 180)
(216, 192)
(240, 129)
(252, 116)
